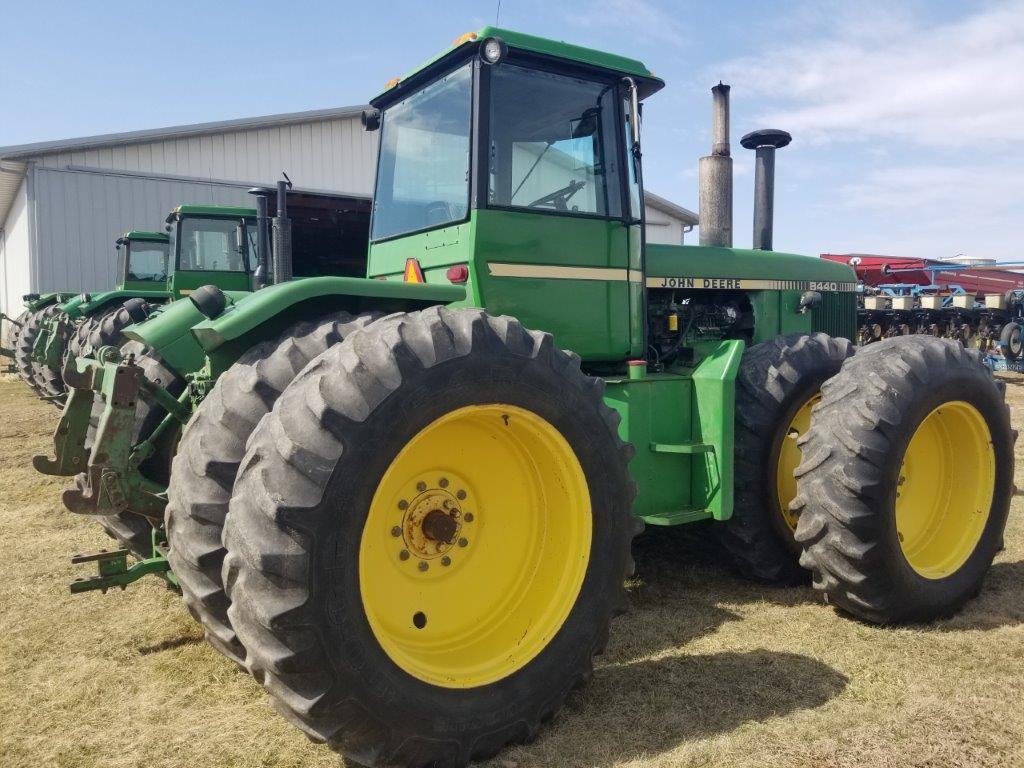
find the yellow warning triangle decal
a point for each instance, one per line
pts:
(413, 273)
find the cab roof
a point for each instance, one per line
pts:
(209, 210)
(611, 63)
(139, 234)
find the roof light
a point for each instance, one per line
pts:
(458, 274)
(392, 83)
(493, 50)
(466, 38)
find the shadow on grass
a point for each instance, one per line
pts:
(170, 644)
(651, 706)
(681, 591)
(999, 604)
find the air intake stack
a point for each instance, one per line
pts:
(716, 177)
(764, 143)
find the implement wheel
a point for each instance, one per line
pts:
(207, 460)
(428, 538)
(1010, 341)
(906, 480)
(778, 384)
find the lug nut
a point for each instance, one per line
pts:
(424, 565)
(421, 486)
(396, 531)
(446, 561)
(443, 482)
(460, 495)
(403, 555)
(469, 517)
(403, 504)
(463, 542)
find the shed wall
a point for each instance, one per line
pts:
(16, 254)
(329, 155)
(80, 214)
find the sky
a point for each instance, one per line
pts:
(907, 116)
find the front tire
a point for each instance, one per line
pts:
(906, 480)
(497, 437)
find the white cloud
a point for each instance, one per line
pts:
(947, 84)
(641, 18)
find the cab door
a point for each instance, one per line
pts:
(551, 238)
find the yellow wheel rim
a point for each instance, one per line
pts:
(789, 460)
(947, 480)
(475, 546)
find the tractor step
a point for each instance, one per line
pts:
(114, 571)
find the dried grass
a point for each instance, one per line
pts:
(704, 670)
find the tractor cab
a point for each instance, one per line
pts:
(510, 163)
(142, 260)
(211, 244)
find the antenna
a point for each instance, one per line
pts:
(497, 15)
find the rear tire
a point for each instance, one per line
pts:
(26, 342)
(308, 488)
(776, 380)
(207, 461)
(909, 446)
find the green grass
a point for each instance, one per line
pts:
(704, 670)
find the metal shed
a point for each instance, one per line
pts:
(63, 203)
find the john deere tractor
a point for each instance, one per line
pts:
(219, 249)
(406, 502)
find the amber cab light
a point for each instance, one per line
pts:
(458, 274)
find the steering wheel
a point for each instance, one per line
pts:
(559, 199)
(438, 212)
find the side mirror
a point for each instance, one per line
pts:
(240, 238)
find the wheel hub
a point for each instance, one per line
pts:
(432, 521)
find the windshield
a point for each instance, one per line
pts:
(553, 143)
(147, 261)
(423, 173)
(214, 245)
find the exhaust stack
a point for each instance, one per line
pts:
(715, 173)
(282, 233)
(262, 274)
(764, 143)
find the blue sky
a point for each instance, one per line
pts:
(907, 117)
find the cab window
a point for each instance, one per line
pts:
(553, 143)
(213, 245)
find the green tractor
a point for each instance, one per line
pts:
(219, 249)
(405, 502)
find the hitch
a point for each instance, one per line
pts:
(113, 569)
(111, 482)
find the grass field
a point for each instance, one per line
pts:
(704, 670)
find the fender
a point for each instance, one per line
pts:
(99, 300)
(43, 300)
(266, 310)
(167, 332)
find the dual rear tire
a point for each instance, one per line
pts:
(426, 539)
